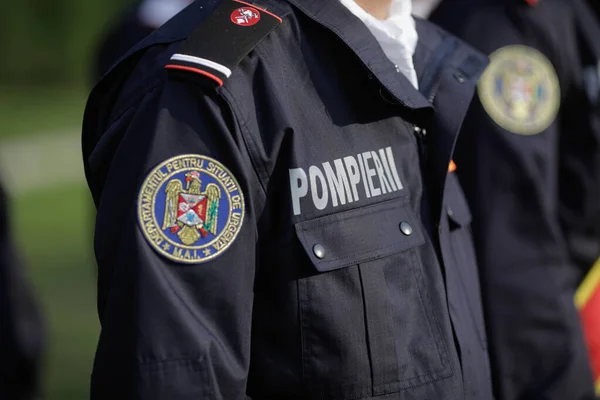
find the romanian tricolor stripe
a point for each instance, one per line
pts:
(587, 300)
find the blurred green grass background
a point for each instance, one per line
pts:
(47, 52)
(28, 110)
(56, 245)
(57, 251)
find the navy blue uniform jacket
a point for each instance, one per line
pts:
(535, 200)
(326, 293)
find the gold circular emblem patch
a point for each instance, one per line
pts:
(519, 90)
(190, 208)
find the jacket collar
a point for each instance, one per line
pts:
(338, 19)
(448, 73)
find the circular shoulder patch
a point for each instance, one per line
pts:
(245, 16)
(519, 90)
(190, 208)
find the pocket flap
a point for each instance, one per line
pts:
(363, 234)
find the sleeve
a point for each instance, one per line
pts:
(170, 330)
(21, 332)
(511, 181)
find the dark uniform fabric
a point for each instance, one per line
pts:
(521, 223)
(20, 323)
(120, 38)
(580, 153)
(595, 4)
(388, 308)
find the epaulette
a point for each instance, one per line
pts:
(222, 40)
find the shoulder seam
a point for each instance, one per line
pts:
(147, 89)
(258, 167)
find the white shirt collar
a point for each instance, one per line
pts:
(424, 8)
(154, 13)
(397, 35)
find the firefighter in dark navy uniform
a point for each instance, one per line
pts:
(580, 154)
(585, 243)
(278, 215)
(528, 158)
(21, 332)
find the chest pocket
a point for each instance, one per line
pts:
(369, 317)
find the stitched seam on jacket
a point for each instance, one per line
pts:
(439, 341)
(338, 217)
(259, 170)
(138, 99)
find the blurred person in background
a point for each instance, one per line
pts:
(21, 333)
(137, 22)
(273, 222)
(529, 160)
(587, 298)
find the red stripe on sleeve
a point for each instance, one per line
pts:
(196, 70)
